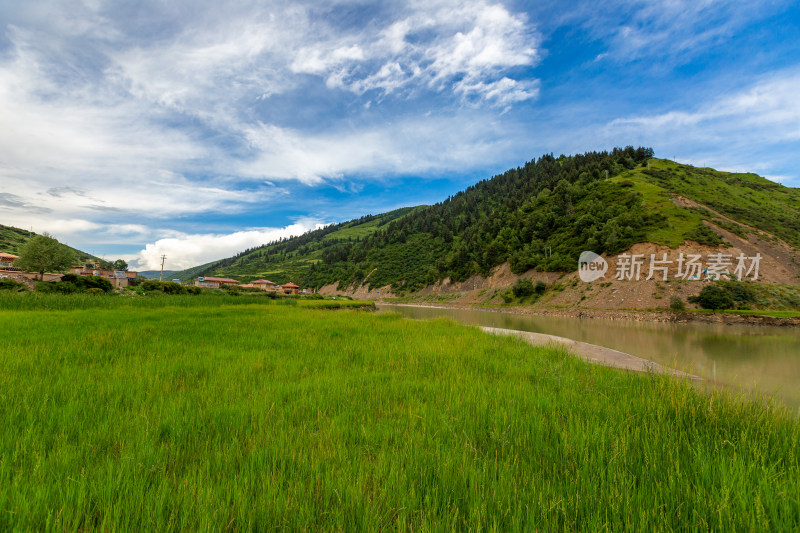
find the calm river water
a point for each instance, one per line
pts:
(763, 359)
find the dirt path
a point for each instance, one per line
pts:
(593, 353)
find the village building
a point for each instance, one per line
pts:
(290, 288)
(7, 263)
(117, 278)
(9, 271)
(214, 283)
(264, 285)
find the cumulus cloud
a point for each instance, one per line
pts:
(188, 250)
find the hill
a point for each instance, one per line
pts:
(154, 274)
(292, 258)
(11, 239)
(540, 217)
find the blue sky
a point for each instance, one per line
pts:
(132, 129)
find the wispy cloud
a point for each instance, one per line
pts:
(729, 131)
(409, 145)
(668, 31)
(462, 47)
(11, 201)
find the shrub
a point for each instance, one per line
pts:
(86, 282)
(167, 287)
(507, 296)
(62, 287)
(94, 290)
(540, 287)
(676, 303)
(170, 287)
(742, 293)
(193, 290)
(11, 285)
(151, 285)
(702, 234)
(725, 295)
(714, 297)
(523, 287)
(95, 282)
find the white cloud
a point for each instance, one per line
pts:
(731, 132)
(209, 72)
(91, 106)
(671, 30)
(504, 92)
(457, 46)
(410, 146)
(66, 230)
(770, 105)
(188, 250)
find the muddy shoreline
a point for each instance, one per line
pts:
(593, 353)
(610, 314)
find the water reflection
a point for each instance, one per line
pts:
(764, 359)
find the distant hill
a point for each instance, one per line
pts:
(308, 250)
(11, 239)
(539, 216)
(154, 274)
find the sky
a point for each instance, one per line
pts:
(132, 129)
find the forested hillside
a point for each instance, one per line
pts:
(541, 215)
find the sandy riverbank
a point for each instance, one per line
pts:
(592, 352)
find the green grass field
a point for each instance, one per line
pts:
(211, 416)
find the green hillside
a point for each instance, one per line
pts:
(746, 198)
(541, 215)
(292, 258)
(11, 239)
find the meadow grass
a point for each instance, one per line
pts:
(13, 301)
(261, 417)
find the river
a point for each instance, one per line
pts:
(760, 359)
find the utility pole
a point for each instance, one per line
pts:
(163, 258)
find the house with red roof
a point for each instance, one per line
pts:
(7, 262)
(264, 285)
(290, 288)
